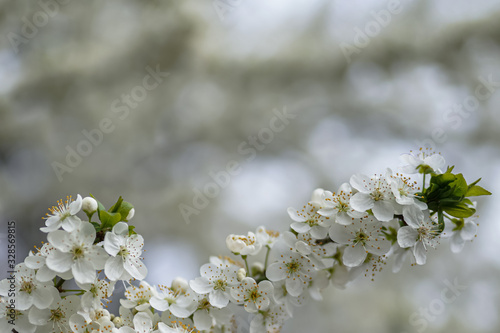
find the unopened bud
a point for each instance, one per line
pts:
(257, 268)
(118, 322)
(89, 205)
(241, 274)
(131, 214)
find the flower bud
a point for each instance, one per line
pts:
(131, 214)
(234, 243)
(89, 205)
(118, 322)
(241, 274)
(244, 245)
(257, 268)
(180, 284)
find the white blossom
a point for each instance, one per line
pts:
(420, 233)
(216, 281)
(243, 245)
(361, 237)
(338, 205)
(28, 290)
(297, 270)
(75, 251)
(125, 251)
(307, 219)
(181, 302)
(138, 297)
(255, 297)
(55, 319)
(266, 237)
(422, 159)
(12, 318)
(375, 194)
(63, 215)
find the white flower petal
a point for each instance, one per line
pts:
(276, 272)
(407, 237)
(420, 253)
(202, 320)
(201, 285)
(83, 271)
(383, 210)
(294, 286)
(319, 232)
(361, 202)
(112, 243)
(114, 268)
(359, 182)
(59, 261)
(300, 227)
(457, 243)
(354, 255)
(295, 215)
(218, 299)
(469, 231)
(60, 240)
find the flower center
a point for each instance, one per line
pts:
(93, 290)
(403, 192)
(342, 206)
(204, 304)
(27, 287)
(78, 252)
(142, 301)
(123, 252)
(423, 232)
(56, 315)
(272, 233)
(377, 195)
(312, 222)
(253, 295)
(64, 215)
(220, 285)
(170, 300)
(361, 237)
(293, 267)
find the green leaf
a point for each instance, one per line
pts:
(460, 210)
(116, 207)
(477, 190)
(125, 209)
(474, 183)
(108, 220)
(459, 185)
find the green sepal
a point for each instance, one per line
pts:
(100, 206)
(391, 234)
(459, 224)
(97, 226)
(131, 230)
(476, 190)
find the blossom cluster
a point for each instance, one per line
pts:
(332, 239)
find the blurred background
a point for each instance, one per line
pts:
(152, 100)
